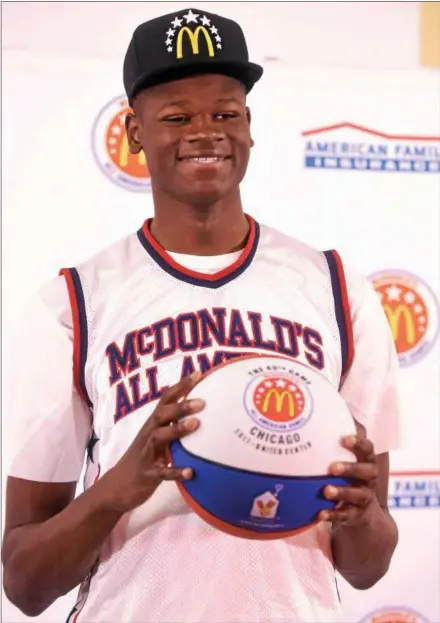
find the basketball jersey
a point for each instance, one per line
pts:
(141, 321)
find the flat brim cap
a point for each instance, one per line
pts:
(184, 44)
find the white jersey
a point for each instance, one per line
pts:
(136, 320)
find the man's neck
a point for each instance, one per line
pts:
(200, 230)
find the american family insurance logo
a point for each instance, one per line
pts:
(352, 147)
(412, 490)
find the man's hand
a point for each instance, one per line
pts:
(355, 501)
(145, 464)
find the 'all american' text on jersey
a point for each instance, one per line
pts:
(193, 332)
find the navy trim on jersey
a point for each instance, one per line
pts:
(84, 331)
(342, 311)
(80, 330)
(226, 275)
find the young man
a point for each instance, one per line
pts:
(141, 321)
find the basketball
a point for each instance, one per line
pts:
(270, 429)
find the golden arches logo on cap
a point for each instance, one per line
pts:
(198, 30)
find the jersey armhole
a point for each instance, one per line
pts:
(80, 330)
(342, 310)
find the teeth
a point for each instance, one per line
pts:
(209, 159)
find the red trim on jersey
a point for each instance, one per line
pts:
(192, 273)
(347, 313)
(432, 472)
(76, 333)
(361, 128)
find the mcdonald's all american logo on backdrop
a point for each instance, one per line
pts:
(110, 148)
(393, 614)
(412, 310)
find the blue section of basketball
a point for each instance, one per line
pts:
(230, 495)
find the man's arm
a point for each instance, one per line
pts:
(362, 552)
(51, 541)
(364, 535)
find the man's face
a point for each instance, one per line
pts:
(195, 134)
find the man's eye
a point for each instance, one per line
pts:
(226, 115)
(177, 119)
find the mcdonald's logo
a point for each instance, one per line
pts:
(125, 160)
(194, 40)
(111, 150)
(401, 321)
(279, 402)
(412, 311)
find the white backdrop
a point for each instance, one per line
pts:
(59, 208)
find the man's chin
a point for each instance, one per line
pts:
(205, 193)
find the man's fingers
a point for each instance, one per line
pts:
(343, 516)
(365, 472)
(172, 473)
(361, 447)
(165, 414)
(356, 496)
(162, 437)
(180, 389)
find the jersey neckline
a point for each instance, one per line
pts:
(213, 280)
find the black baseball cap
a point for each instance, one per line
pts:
(183, 44)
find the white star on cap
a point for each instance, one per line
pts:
(219, 46)
(176, 22)
(170, 32)
(205, 21)
(168, 41)
(214, 30)
(218, 38)
(191, 17)
(170, 49)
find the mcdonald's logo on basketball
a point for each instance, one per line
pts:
(279, 400)
(194, 40)
(111, 152)
(412, 311)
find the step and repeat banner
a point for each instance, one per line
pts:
(341, 160)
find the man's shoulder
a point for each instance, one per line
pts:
(290, 250)
(122, 250)
(286, 245)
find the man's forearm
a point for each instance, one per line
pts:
(44, 561)
(362, 553)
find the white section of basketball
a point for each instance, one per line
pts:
(233, 432)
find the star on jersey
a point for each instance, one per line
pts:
(91, 445)
(190, 18)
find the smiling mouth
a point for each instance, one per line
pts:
(204, 159)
